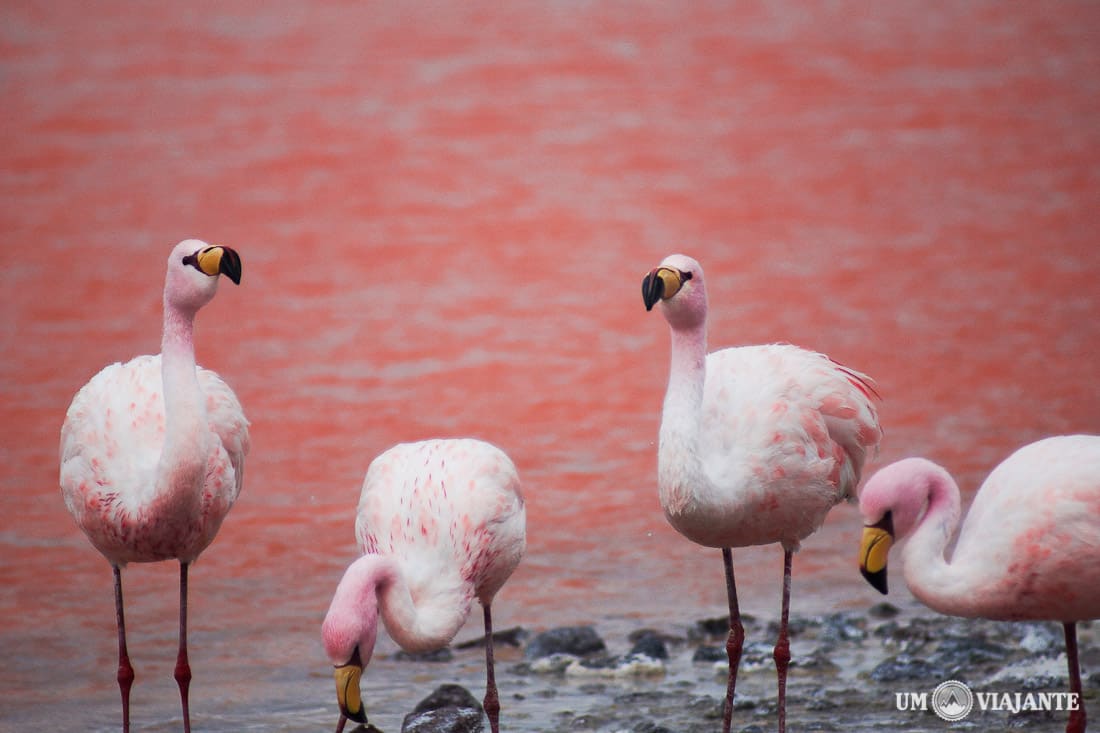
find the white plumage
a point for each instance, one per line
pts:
(152, 450)
(441, 523)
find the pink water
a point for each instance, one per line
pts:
(444, 214)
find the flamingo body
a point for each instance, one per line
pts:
(111, 444)
(783, 433)
(441, 523)
(757, 443)
(1029, 548)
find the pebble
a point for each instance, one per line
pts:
(576, 640)
(448, 709)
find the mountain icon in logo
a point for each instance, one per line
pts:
(952, 700)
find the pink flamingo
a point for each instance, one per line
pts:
(1029, 549)
(152, 451)
(757, 443)
(440, 523)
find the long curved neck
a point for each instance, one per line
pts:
(938, 583)
(421, 625)
(417, 625)
(182, 467)
(679, 467)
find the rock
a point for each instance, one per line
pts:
(883, 610)
(650, 727)
(449, 709)
(444, 720)
(843, 627)
(719, 627)
(649, 643)
(966, 652)
(710, 654)
(796, 626)
(448, 695)
(905, 667)
(438, 655)
(575, 640)
(508, 637)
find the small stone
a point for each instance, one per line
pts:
(436, 655)
(710, 654)
(508, 637)
(650, 644)
(444, 720)
(905, 667)
(576, 640)
(883, 610)
(448, 709)
(448, 695)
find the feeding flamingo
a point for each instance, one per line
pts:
(152, 451)
(757, 443)
(1029, 548)
(440, 523)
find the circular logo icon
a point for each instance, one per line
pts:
(952, 700)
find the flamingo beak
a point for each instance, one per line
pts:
(347, 689)
(661, 284)
(217, 260)
(874, 550)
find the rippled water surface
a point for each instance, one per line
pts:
(444, 213)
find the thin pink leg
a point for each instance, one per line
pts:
(1076, 723)
(735, 642)
(782, 653)
(125, 671)
(183, 669)
(492, 701)
(340, 725)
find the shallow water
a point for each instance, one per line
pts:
(444, 214)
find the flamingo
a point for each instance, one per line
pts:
(1029, 548)
(440, 523)
(152, 451)
(757, 443)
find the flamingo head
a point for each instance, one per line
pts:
(677, 284)
(349, 632)
(193, 270)
(892, 503)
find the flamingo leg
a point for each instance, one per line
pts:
(735, 642)
(492, 701)
(1076, 722)
(183, 669)
(125, 671)
(340, 725)
(782, 653)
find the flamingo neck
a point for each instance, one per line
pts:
(934, 580)
(416, 624)
(679, 464)
(182, 467)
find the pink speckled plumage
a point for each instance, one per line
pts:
(757, 443)
(1029, 547)
(152, 451)
(440, 523)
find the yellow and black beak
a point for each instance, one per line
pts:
(878, 538)
(347, 689)
(661, 284)
(216, 261)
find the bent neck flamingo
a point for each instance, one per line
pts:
(757, 443)
(440, 523)
(152, 451)
(1029, 548)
